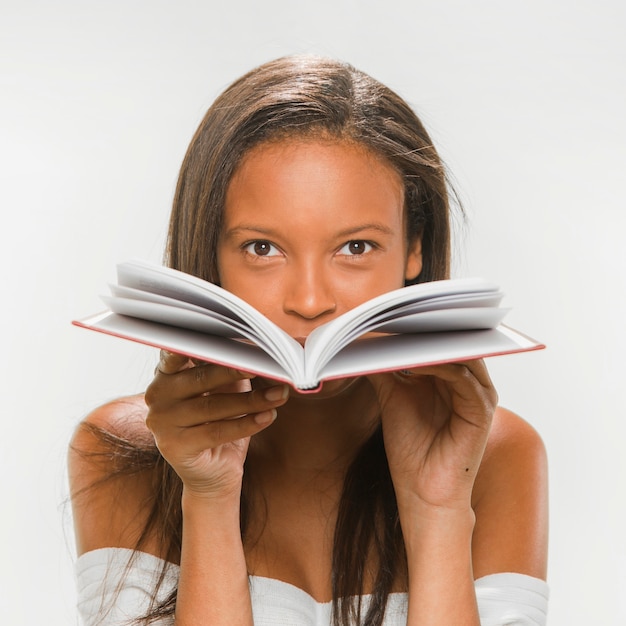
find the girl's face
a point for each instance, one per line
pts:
(311, 230)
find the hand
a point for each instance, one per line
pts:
(202, 417)
(436, 422)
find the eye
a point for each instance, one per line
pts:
(355, 247)
(261, 248)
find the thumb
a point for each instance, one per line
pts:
(171, 363)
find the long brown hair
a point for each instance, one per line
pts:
(306, 96)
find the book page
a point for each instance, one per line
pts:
(393, 352)
(437, 314)
(326, 340)
(117, 291)
(159, 308)
(168, 282)
(198, 345)
(174, 316)
(445, 320)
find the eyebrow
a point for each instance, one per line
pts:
(353, 230)
(382, 228)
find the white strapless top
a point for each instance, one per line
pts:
(506, 599)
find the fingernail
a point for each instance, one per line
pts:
(273, 394)
(266, 417)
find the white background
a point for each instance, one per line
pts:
(526, 102)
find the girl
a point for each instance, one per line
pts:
(221, 498)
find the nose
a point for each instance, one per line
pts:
(309, 294)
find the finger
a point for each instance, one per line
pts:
(469, 385)
(452, 372)
(217, 407)
(461, 381)
(170, 362)
(465, 387)
(196, 439)
(192, 381)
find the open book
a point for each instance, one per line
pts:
(437, 322)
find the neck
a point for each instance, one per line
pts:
(320, 431)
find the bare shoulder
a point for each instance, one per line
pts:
(511, 500)
(111, 482)
(512, 440)
(124, 417)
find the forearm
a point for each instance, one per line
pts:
(441, 581)
(213, 585)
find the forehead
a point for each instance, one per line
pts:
(314, 179)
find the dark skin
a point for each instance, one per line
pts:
(311, 230)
